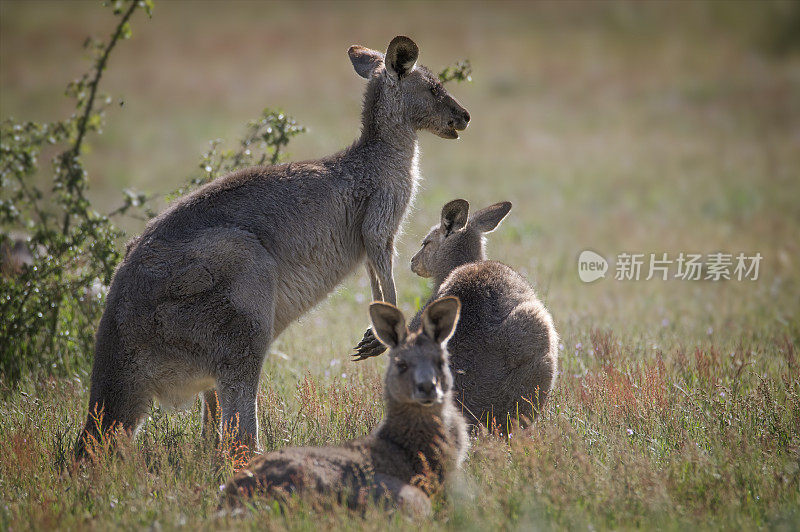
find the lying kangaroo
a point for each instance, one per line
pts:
(201, 294)
(409, 455)
(504, 352)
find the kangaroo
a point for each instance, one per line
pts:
(203, 291)
(504, 352)
(409, 455)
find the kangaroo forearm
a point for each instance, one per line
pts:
(386, 277)
(379, 257)
(375, 284)
(389, 293)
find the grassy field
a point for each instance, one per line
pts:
(615, 127)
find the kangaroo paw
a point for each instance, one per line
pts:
(368, 347)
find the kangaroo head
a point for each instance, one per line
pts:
(457, 239)
(403, 93)
(418, 372)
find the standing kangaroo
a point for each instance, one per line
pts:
(201, 294)
(408, 457)
(504, 353)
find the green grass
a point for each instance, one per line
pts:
(611, 126)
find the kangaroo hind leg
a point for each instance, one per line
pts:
(241, 342)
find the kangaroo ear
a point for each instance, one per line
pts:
(440, 317)
(401, 56)
(388, 323)
(365, 60)
(487, 220)
(454, 215)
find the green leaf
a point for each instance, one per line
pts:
(125, 31)
(148, 7)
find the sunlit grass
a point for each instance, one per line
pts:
(686, 436)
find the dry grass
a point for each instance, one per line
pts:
(611, 126)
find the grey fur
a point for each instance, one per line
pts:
(218, 275)
(409, 455)
(505, 346)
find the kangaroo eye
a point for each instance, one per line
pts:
(434, 90)
(401, 366)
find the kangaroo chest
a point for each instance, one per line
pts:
(313, 263)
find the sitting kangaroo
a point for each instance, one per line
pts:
(504, 353)
(409, 454)
(201, 294)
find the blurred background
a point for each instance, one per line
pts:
(643, 127)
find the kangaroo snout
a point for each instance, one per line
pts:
(463, 120)
(416, 265)
(426, 387)
(460, 119)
